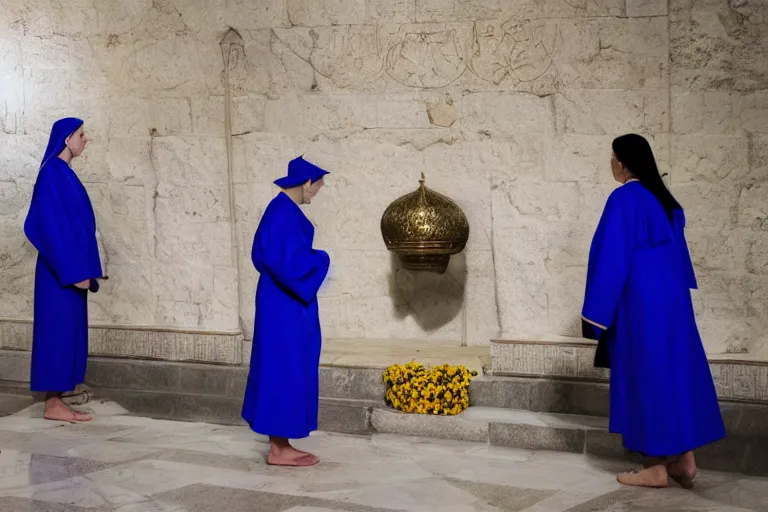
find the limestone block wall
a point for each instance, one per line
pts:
(146, 80)
(508, 106)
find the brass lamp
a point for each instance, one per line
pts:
(424, 228)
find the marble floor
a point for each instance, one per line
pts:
(130, 464)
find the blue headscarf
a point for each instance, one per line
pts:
(62, 129)
(299, 171)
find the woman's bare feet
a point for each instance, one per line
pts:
(281, 453)
(652, 476)
(57, 410)
(297, 460)
(684, 470)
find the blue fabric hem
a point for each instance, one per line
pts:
(36, 388)
(684, 448)
(259, 429)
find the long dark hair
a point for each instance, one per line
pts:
(634, 152)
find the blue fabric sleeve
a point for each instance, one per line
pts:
(686, 265)
(53, 226)
(281, 249)
(610, 259)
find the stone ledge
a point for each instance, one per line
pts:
(166, 344)
(458, 428)
(194, 377)
(381, 353)
(219, 380)
(572, 358)
(578, 397)
(344, 416)
(15, 365)
(550, 395)
(352, 383)
(141, 343)
(190, 407)
(14, 397)
(364, 386)
(559, 432)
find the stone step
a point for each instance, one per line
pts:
(541, 395)
(346, 416)
(214, 393)
(335, 415)
(533, 394)
(341, 382)
(503, 427)
(560, 396)
(167, 376)
(349, 383)
(351, 403)
(352, 383)
(558, 432)
(14, 396)
(535, 412)
(14, 365)
(737, 377)
(364, 386)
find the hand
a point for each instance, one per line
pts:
(84, 285)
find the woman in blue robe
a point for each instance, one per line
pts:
(61, 225)
(638, 300)
(282, 392)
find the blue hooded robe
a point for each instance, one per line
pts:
(61, 225)
(663, 399)
(282, 392)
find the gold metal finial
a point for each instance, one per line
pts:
(424, 228)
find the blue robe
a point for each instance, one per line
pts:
(62, 226)
(663, 399)
(282, 392)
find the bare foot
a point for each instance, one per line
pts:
(654, 477)
(281, 453)
(684, 470)
(283, 460)
(56, 410)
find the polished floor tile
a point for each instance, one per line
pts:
(122, 463)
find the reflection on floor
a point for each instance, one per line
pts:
(129, 464)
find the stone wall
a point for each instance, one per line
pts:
(508, 106)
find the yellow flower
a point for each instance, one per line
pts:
(412, 388)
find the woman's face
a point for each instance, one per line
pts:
(310, 190)
(77, 141)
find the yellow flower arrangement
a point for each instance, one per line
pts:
(442, 390)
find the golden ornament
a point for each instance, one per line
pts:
(425, 229)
